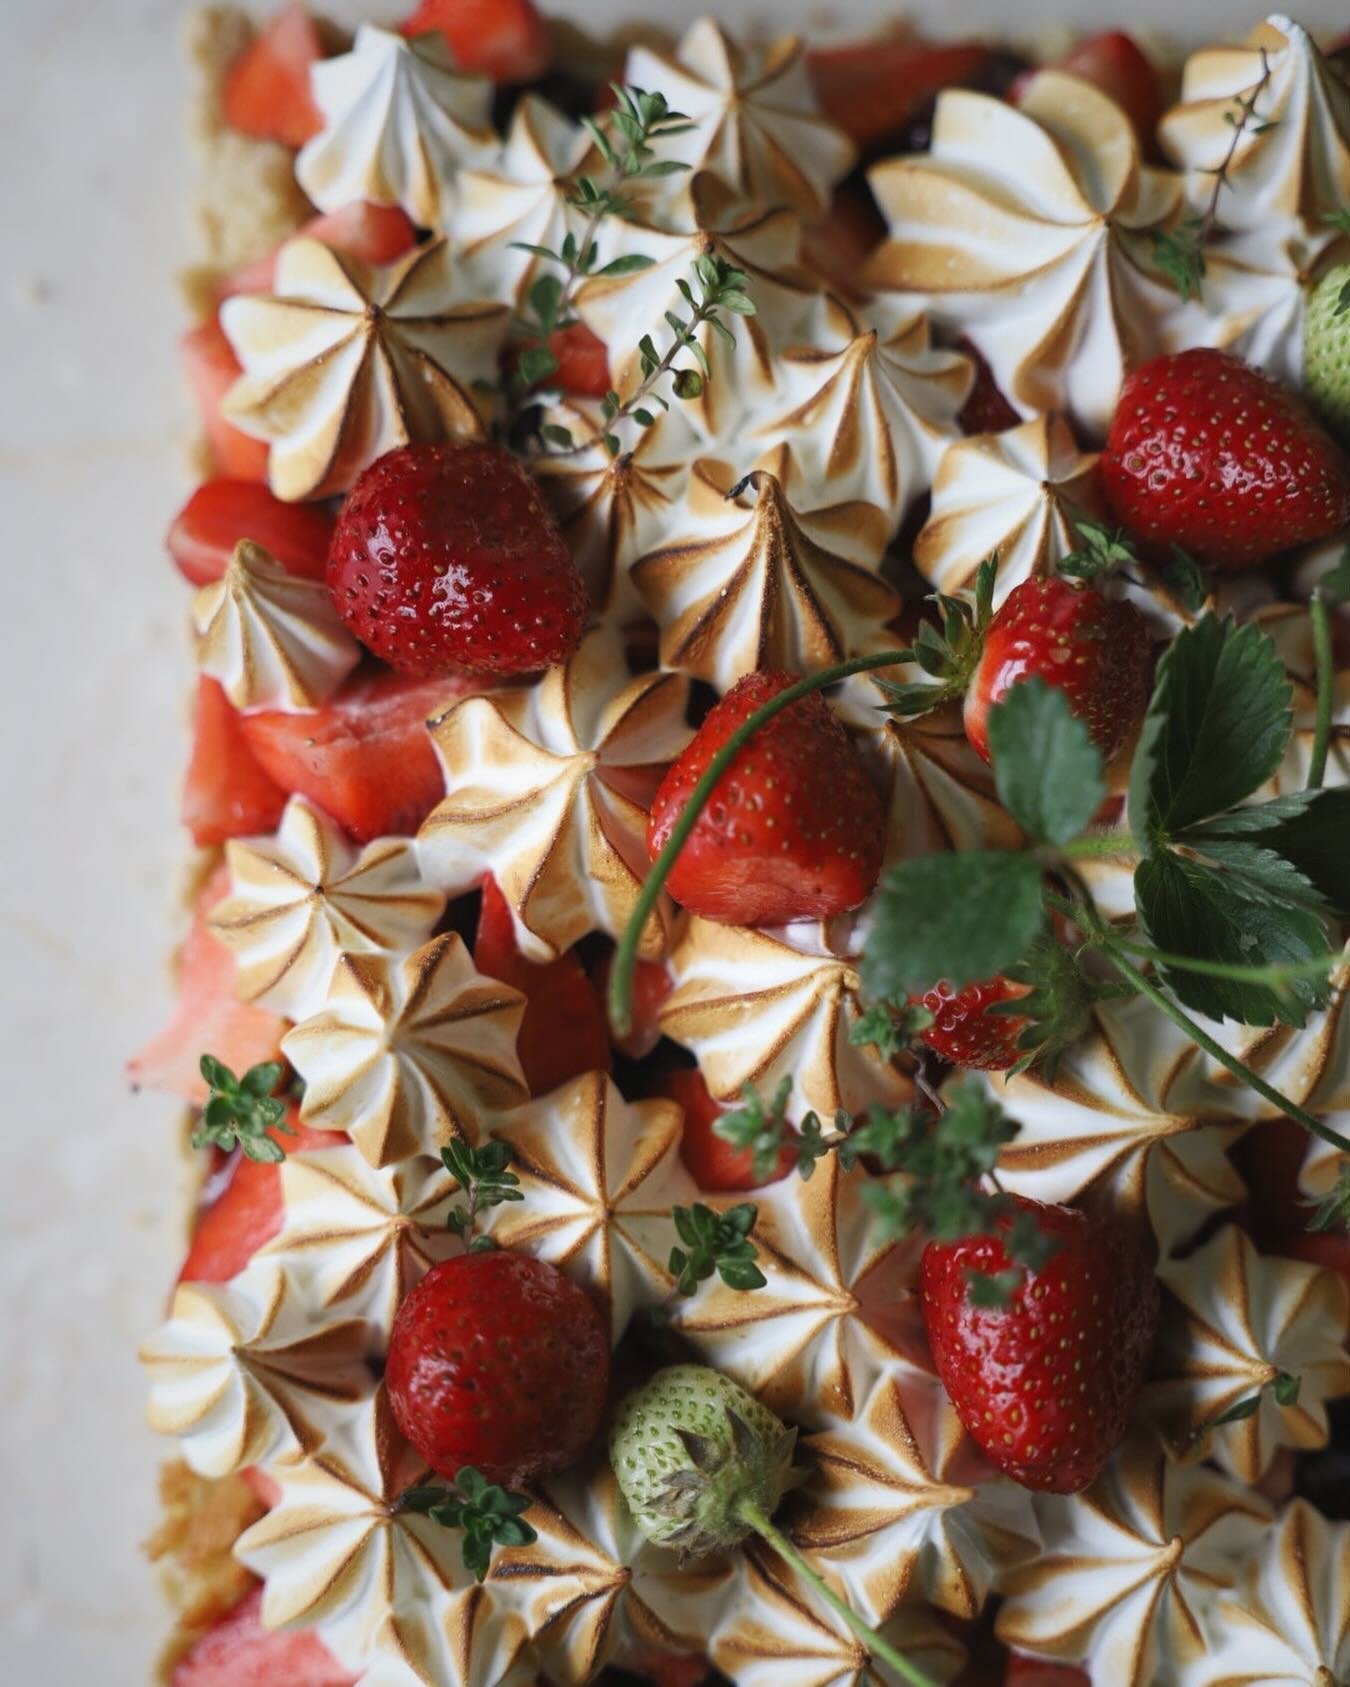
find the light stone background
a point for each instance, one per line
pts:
(93, 677)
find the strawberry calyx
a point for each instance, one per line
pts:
(948, 653)
(1056, 1008)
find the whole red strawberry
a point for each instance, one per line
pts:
(1045, 1383)
(966, 1033)
(1097, 652)
(794, 829)
(446, 556)
(498, 1361)
(1210, 454)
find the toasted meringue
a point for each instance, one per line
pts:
(1130, 1569)
(755, 581)
(898, 1523)
(1028, 229)
(272, 640)
(599, 1175)
(1234, 1321)
(1292, 164)
(245, 1371)
(836, 1312)
(384, 1587)
(755, 122)
(297, 899)
(522, 198)
(776, 1632)
(409, 1051)
(1010, 495)
(399, 122)
(346, 361)
(869, 408)
(1287, 1622)
(359, 1237)
(755, 1009)
(545, 789)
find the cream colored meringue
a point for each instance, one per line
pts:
(272, 640)
(1292, 164)
(250, 1370)
(599, 1175)
(838, 1309)
(1235, 1319)
(399, 123)
(1130, 1569)
(359, 1237)
(756, 123)
(776, 1632)
(1287, 1622)
(1013, 496)
(755, 1009)
(546, 789)
(386, 1589)
(756, 580)
(347, 361)
(300, 897)
(520, 199)
(1028, 229)
(904, 1511)
(869, 408)
(409, 1051)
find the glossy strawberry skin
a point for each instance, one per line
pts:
(794, 829)
(1210, 454)
(718, 1167)
(965, 1033)
(447, 557)
(221, 512)
(1046, 1383)
(1096, 652)
(498, 1361)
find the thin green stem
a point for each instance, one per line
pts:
(1274, 975)
(759, 1521)
(1108, 843)
(625, 956)
(1326, 681)
(1230, 1062)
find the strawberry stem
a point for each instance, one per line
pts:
(758, 1520)
(1326, 679)
(1104, 843)
(625, 956)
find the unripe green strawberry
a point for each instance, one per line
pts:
(691, 1450)
(1326, 351)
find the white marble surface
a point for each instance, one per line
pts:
(92, 188)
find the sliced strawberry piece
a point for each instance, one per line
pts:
(208, 1018)
(1040, 1672)
(239, 1652)
(222, 512)
(583, 362)
(376, 234)
(267, 91)
(986, 410)
(663, 1668)
(564, 1032)
(652, 984)
(265, 1490)
(366, 757)
(838, 244)
(1328, 1248)
(226, 794)
(873, 89)
(1115, 63)
(212, 369)
(504, 39)
(715, 1165)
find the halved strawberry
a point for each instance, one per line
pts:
(713, 1164)
(564, 1032)
(872, 89)
(222, 512)
(239, 1652)
(267, 91)
(377, 234)
(207, 1018)
(212, 369)
(366, 757)
(226, 793)
(505, 39)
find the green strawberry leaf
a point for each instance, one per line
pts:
(962, 917)
(1048, 770)
(1335, 583)
(1310, 830)
(1182, 576)
(1216, 728)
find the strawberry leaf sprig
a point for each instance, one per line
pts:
(488, 1515)
(482, 1175)
(715, 1242)
(243, 1112)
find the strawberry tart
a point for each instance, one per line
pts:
(766, 1019)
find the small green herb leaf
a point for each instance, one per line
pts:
(715, 1242)
(242, 1112)
(488, 1515)
(1048, 770)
